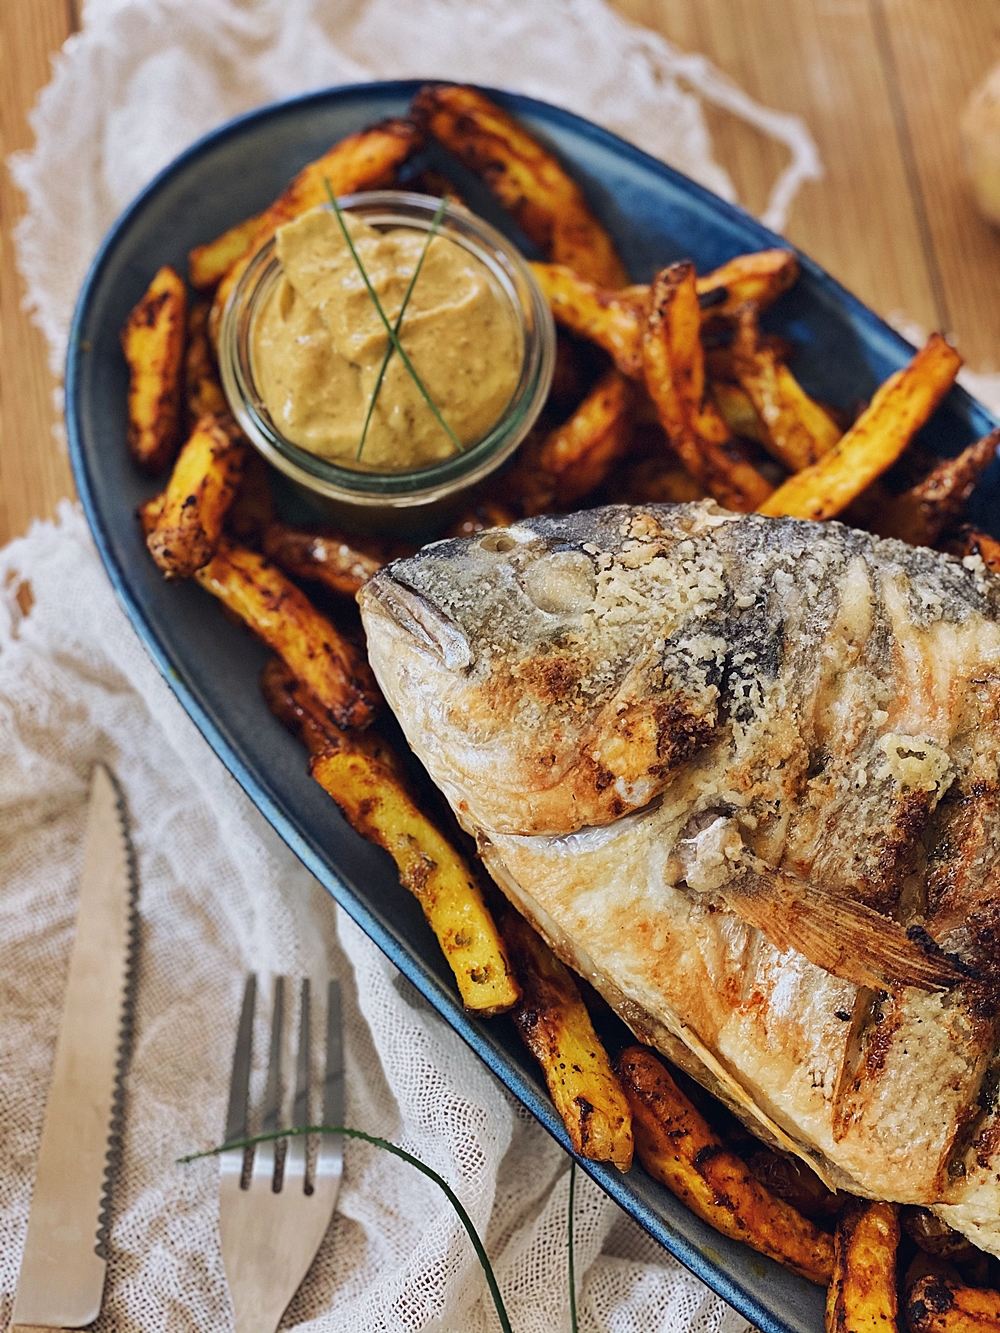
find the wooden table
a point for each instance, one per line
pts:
(879, 82)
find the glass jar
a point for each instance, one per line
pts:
(417, 501)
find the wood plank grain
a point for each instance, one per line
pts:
(937, 54)
(819, 59)
(34, 466)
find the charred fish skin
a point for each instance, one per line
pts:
(790, 734)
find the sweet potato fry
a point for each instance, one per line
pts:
(737, 411)
(760, 277)
(202, 389)
(612, 320)
(674, 364)
(862, 1295)
(969, 541)
(379, 807)
(331, 668)
(545, 202)
(149, 511)
(362, 161)
(434, 183)
(796, 430)
(485, 514)
(252, 510)
(339, 562)
(677, 1147)
(921, 514)
(153, 343)
(200, 490)
(660, 481)
(900, 407)
(941, 1305)
(209, 264)
(556, 1028)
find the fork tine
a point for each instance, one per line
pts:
(295, 1160)
(266, 1153)
(237, 1116)
(331, 1151)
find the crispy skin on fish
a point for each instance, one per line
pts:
(741, 773)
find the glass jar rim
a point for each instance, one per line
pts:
(424, 485)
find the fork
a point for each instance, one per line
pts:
(272, 1215)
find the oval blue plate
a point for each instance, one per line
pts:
(656, 215)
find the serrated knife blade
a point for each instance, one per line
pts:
(61, 1282)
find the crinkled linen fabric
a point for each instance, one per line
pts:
(220, 893)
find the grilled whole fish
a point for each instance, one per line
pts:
(744, 775)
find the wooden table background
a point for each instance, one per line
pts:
(880, 84)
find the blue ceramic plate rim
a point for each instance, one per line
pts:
(702, 1259)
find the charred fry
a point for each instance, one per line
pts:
(760, 278)
(341, 563)
(544, 201)
(796, 430)
(202, 389)
(333, 670)
(362, 161)
(611, 319)
(862, 1295)
(941, 1305)
(200, 490)
(969, 541)
(209, 264)
(677, 1147)
(921, 514)
(378, 806)
(898, 410)
(153, 343)
(149, 511)
(674, 363)
(556, 1028)
(252, 511)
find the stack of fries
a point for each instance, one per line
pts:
(666, 392)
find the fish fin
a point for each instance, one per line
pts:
(841, 936)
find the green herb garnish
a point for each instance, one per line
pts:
(399, 320)
(427, 1171)
(393, 335)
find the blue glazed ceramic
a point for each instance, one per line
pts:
(656, 215)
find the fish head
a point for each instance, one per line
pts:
(534, 669)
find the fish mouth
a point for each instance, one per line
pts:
(422, 620)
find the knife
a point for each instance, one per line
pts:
(62, 1272)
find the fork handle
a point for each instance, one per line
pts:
(37, 1328)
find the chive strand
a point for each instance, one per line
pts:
(401, 1153)
(399, 321)
(572, 1257)
(393, 336)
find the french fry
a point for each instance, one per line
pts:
(969, 541)
(613, 320)
(331, 668)
(898, 410)
(796, 430)
(788, 1178)
(862, 1295)
(545, 202)
(674, 364)
(737, 410)
(556, 1028)
(760, 277)
(486, 514)
(209, 264)
(202, 390)
(362, 161)
(938, 1304)
(434, 183)
(339, 562)
(200, 490)
(921, 514)
(149, 512)
(252, 510)
(379, 807)
(677, 1147)
(661, 481)
(153, 343)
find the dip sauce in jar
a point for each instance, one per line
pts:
(319, 345)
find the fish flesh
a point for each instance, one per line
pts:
(743, 774)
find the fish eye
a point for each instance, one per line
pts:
(499, 542)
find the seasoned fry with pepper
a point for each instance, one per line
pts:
(921, 514)
(545, 202)
(677, 1147)
(379, 807)
(339, 562)
(200, 490)
(674, 363)
(862, 1295)
(796, 430)
(153, 343)
(899, 408)
(760, 277)
(333, 670)
(202, 389)
(362, 161)
(209, 264)
(941, 1305)
(613, 320)
(557, 1030)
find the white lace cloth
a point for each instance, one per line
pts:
(220, 894)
